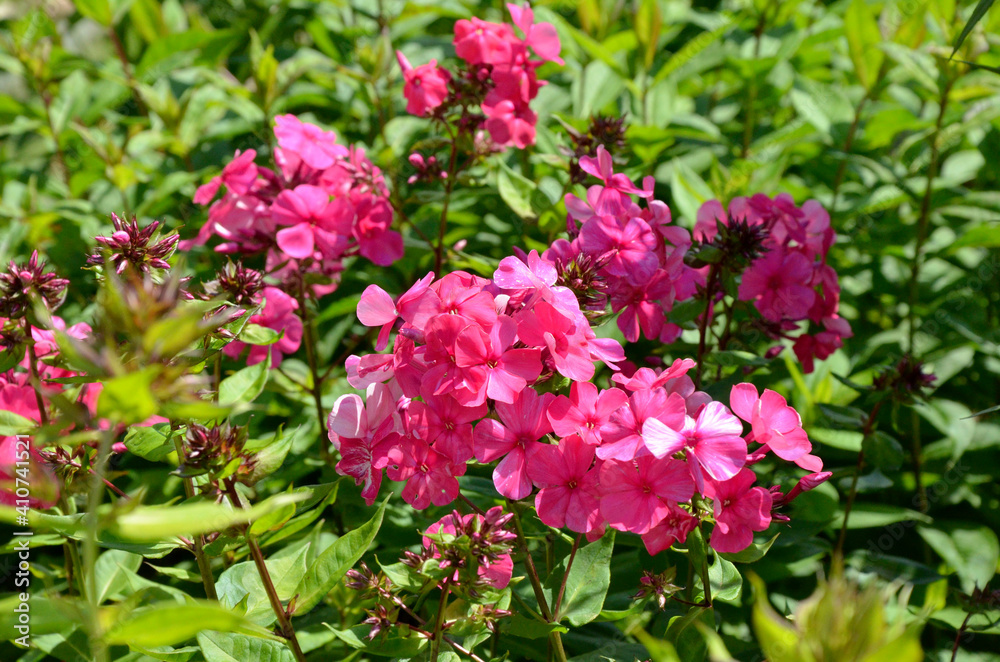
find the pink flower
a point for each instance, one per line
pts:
(636, 494)
(495, 370)
(364, 432)
(429, 475)
(278, 314)
(317, 148)
(239, 176)
(773, 422)
(480, 42)
(778, 283)
(372, 219)
(316, 222)
(441, 421)
(584, 412)
(541, 37)
(520, 426)
(510, 123)
(712, 443)
(376, 308)
(628, 249)
(569, 496)
(673, 528)
(426, 86)
(622, 436)
(740, 509)
(569, 347)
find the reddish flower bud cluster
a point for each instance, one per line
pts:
(132, 246)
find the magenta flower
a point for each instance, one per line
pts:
(429, 475)
(425, 87)
(520, 426)
(569, 347)
(740, 509)
(317, 223)
(364, 432)
(773, 422)
(622, 435)
(585, 412)
(568, 496)
(317, 148)
(278, 314)
(446, 424)
(778, 283)
(495, 370)
(628, 249)
(239, 176)
(673, 528)
(480, 42)
(712, 442)
(636, 494)
(541, 37)
(510, 123)
(372, 219)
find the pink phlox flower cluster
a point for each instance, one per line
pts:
(321, 203)
(498, 61)
(635, 253)
(469, 377)
(791, 281)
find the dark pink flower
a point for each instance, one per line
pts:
(541, 37)
(480, 42)
(521, 425)
(429, 475)
(627, 249)
(317, 148)
(316, 222)
(497, 371)
(364, 432)
(510, 123)
(636, 494)
(712, 442)
(772, 421)
(426, 86)
(622, 435)
(740, 509)
(569, 493)
(446, 424)
(673, 528)
(778, 283)
(585, 412)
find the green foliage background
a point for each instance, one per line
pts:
(128, 105)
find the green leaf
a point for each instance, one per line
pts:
(516, 191)
(12, 424)
(242, 581)
(232, 647)
(153, 523)
(96, 10)
(255, 334)
(754, 552)
(169, 623)
(153, 442)
(128, 398)
(977, 15)
(971, 549)
(335, 561)
(727, 583)
(244, 386)
(530, 628)
(112, 570)
(861, 30)
(588, 582)
(882, 451)
(778, 639)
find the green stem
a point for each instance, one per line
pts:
(713, 276)
(752, 89)
(99, 463)
(284, 621)
(536, 584)
(443, 225)
(437, 633)
(309, 339)
(204, 565)
(569, 566)
(869, 426)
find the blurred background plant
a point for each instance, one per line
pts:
(127, 106)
